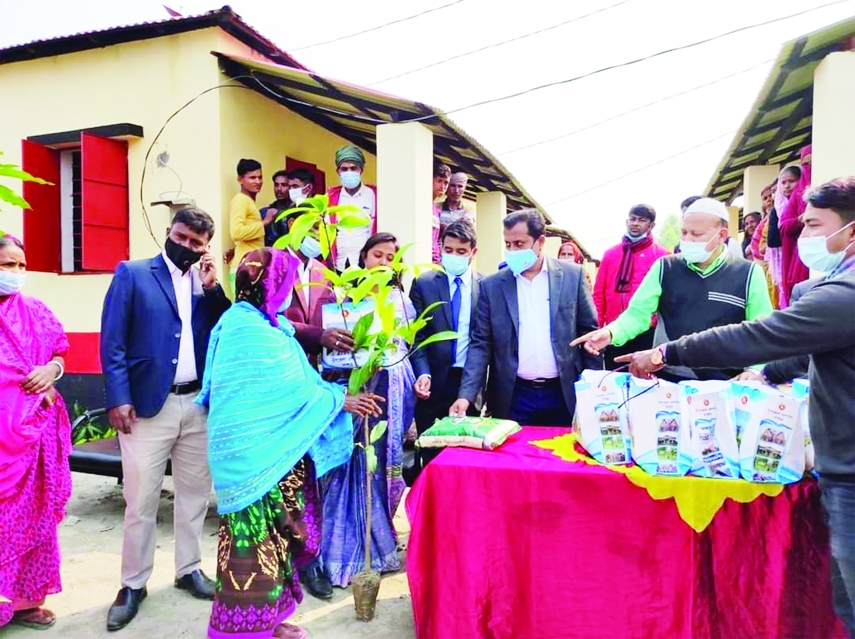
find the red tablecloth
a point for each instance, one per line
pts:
(519, 544)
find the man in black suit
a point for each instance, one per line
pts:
(526, 317)
(439, 366)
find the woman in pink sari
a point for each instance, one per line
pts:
(35, 441)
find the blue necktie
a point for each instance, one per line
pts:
(455, 303)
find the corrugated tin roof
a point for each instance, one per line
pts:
(224, 18)
(779, 123)
(354, 112)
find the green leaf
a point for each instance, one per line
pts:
(399, 255)
(343, 208)
(360, 330)
(332, 277)
(444, 336)
(282, 243)
(326, 236)
(387, 317)
(353, 221)
(378, 277)
(302, 226)
(371, 459)
(12, 171)
(378, 431)
(426, 314)
(9, 196)
(352, 273)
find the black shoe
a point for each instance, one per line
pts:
(317, 583)
(125, 608)
(197, 584)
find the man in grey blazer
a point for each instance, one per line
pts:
(527, 315)
(439, 367)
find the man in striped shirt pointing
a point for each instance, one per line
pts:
(701, 287)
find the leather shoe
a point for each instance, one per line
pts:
(125, 608)
(317, 583)
(197, 584)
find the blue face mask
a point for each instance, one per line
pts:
(520, 261)
(310, 247)
(455, 265)
(350, 179)
(814, 253)
(11, 283)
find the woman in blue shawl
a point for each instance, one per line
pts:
(274, 427)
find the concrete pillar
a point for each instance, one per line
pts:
(733, 223)
(405, 186)
(757, 178)
(492, 208)
(833, 135)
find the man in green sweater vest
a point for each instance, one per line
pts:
(816, 333)
(702, 287)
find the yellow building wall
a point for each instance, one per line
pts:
(253, 126)
(138, 82)
(144, 83)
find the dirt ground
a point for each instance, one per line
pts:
(91, 541)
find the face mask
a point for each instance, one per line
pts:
(11, 283)
(635, 238)
(310, 247)
(695, 252)
(455, 265)
(296, 195)
(814, 253)
(350, 179)
(180, 255)
(520, 261)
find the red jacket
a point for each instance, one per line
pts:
(305, 310)
(610, 304)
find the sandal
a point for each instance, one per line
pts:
(290, 631)
(34, 618)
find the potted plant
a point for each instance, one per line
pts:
(376, 336)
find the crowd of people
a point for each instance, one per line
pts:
(234, 391)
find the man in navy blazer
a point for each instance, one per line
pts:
(439, 366)
(157, 319)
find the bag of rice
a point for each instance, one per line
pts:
(710, 413)
(485, 433)
(748, 397)
(601, 416)
(661, 442)
(801, 390)
(772, 449)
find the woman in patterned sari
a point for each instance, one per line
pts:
(274, 426)
(343, 548)
(35, 441)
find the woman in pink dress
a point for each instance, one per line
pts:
(35, 441)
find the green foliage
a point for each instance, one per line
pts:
(668, 234)
(89, 429)
(7, 195)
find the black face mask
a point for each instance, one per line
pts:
(181, 256)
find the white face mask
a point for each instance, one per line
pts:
(814, 253)
(296, 195)
(11, 283)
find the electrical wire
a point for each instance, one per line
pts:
(643, 168)
(151, 146)
(625, 64)
(496, 44)
(378, 27)
(639, 108)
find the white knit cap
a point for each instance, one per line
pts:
(709, 206)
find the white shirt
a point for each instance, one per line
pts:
(536, 357)
(349, 242)
(185, 370)
(465, 313)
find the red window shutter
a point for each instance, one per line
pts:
(320, 176)
(42, 222)
(104, 170)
